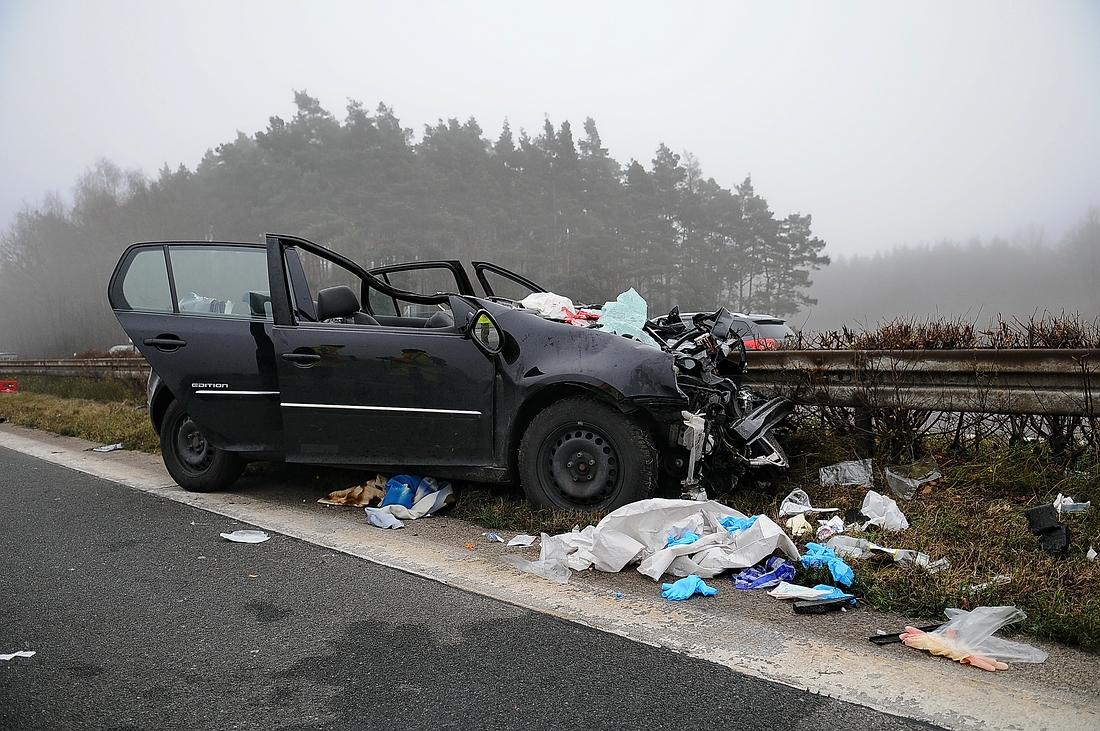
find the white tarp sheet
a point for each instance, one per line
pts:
(640, 531)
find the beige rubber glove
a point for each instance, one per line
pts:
(799, 526)
(938, 645)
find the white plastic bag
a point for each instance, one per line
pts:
(798, 502)
(972, 632)
(903, 480)
(883, 512)
(548, 304)
(552, 560)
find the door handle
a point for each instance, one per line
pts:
(302, 359)
(165, 342)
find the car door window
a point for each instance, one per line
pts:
(223, 281)
(145, 285)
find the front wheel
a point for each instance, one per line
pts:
(194, 463)
(582, 454)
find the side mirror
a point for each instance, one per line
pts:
(485, 332)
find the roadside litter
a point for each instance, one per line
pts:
(883, 512)
(904, 480)
(1066, 504)
(855, 472)
(409, 498)
(799, 526)
(20, 653)
(359, 496)
(107, 448)
(639, 532)
(1042, 520)
(522, 540)
(818, 555)
(828, 528)
(765, 575)
(891, 638)
(797, 501)
(551, 563)
(967, 637)
(1091, 555)
(821, 606)
(794, 591)
(493, 537)
(246, 536)
(998, 580)
(860, 548)
(686, 588)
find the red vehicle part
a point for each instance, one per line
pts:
(9, 386)
(761, 344)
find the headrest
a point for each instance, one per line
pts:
(335, 302)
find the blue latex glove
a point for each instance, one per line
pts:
(400, 490)
(686, 588)
(764, 575)
(733, 524)
(683, 539)
(834, 593)
(818, 555)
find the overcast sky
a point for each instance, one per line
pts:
(890, 122)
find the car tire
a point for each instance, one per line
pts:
(583, 454)
(194, 463)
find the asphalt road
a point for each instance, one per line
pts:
(142, 617)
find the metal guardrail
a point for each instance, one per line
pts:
(1023, 381)
(87, 367)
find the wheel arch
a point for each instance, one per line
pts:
(161, 399)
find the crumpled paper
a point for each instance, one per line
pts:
(639, 532)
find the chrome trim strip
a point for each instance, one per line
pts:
(220, 392)
(461, 412)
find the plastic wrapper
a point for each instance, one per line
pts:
(904, 480)
(798, 502)
(971, 633)
(856, 472)
(551, 564)
(883, 512)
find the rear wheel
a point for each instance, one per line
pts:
(582, 454)
(194, 463)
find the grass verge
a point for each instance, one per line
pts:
(972, 517)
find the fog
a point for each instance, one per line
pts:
(897, 129)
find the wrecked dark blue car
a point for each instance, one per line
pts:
(288, 351)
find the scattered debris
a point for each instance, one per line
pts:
(107, 448)
(522, 540)
(797, 501)
(686, 588)
(794, 591)
(849, 547)
(358, 496)
(998, 580)
(856, 472)
(246, 536)
(685, 538)
(818, 555)
(618, 595)
(968, 638)
(493, 537)
(904, 480)
(20, 653)
(8, 386)
(430, 496)
(821, 606)
(551, 563)
(1066, 504)
(891, 638)
(883, 512)
(733, 523)
(828, 528)
(764, 575)
(799, 526)
(1042, 520)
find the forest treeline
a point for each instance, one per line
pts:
(555, 206)
(977, 281)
